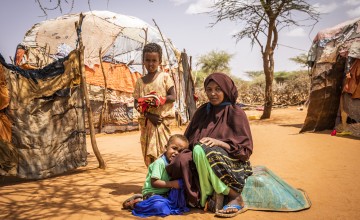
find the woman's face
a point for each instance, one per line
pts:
(151, 62)
(214, 93)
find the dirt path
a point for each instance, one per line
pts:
(326, 167)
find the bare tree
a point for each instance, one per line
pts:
(262, 20)
(52, 5)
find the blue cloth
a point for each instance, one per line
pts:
(157, 205)
(165, 159)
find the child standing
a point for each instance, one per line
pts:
(154, 122)
(157, 180)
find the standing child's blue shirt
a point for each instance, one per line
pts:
(157, 171)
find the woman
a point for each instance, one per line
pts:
(222, 143)
(155, 118)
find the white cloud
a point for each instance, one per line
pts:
(297, 32)
(200, 6)
(352, 2)
(354, 12)
(179, 2)
(325, 8)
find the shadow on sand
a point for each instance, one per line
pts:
(79, 193)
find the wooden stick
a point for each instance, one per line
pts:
(167, 54)
(104, 93)
(102, 164)
(142, 58)
(172, 73)
(190, 87)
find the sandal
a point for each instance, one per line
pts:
(238, 208)
(130, 202)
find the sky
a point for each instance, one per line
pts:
(186, 24)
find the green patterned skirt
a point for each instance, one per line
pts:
(232, 172)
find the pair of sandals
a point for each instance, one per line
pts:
(216, 203)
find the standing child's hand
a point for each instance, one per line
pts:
(154, 118)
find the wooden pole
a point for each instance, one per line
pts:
(167, 54)
(190, 87)
(104, 94)
(102, 164)
(142, 58)
(172, 73)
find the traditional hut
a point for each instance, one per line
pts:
(113, 59)
(334, 101)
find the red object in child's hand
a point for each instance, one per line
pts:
(162, 100)
(150, 101)
(142, 105)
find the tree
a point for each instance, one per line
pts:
(262, 20)
(215, 61)
(300, 59)
(253, 74)
(50, 5)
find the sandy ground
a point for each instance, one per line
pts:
(326, 167)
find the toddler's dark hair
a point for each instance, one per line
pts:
(153, 48)
(180, 136)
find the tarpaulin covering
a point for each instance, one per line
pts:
(264, 190)
(5, 124)
(118, 77)
(47, 117)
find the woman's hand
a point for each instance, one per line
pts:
(210, 142)
(174, 184)
(154, 118)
